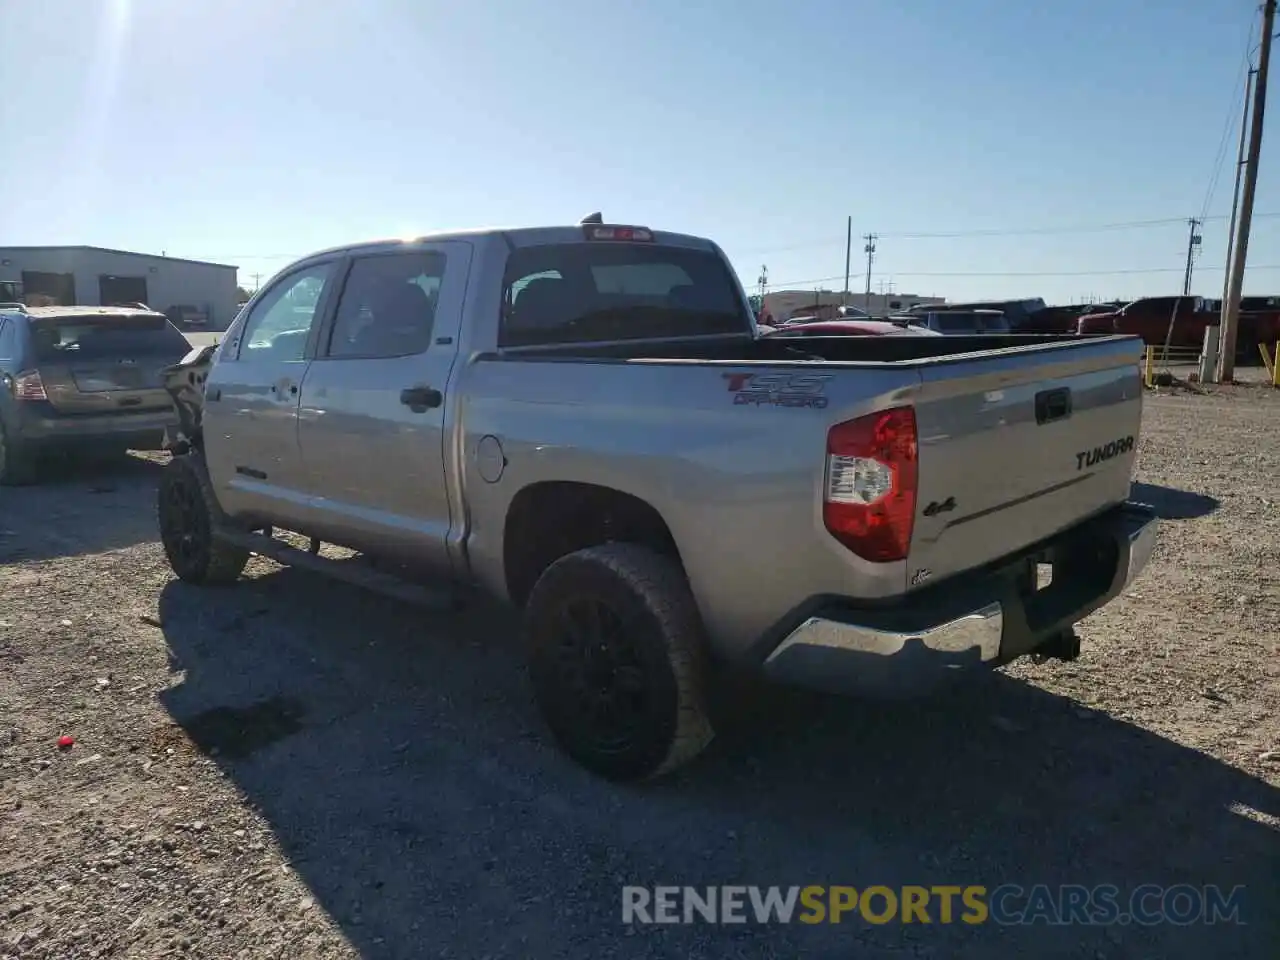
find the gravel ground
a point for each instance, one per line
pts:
(294, 768)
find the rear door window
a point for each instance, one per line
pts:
(388, 306)
(75, 339)
(580, 292)
(954, 322)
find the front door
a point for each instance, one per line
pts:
(372, 417)
(251, 397)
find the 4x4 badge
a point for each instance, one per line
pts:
(935, 508)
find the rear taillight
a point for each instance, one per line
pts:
(29, 386)
(870, 500)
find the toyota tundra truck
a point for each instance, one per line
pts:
(583, 422)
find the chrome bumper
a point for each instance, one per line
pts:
(1142, 543)
(980, 630)
(974, 636)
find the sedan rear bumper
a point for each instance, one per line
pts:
(39, 426)
(981, 619)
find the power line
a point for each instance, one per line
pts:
(783, 284)
(1025, 232)
(1082, 228)
(1037, 231)
(1237, 92)
(906, 235)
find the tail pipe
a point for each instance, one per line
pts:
(1064, 645)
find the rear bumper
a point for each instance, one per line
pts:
(39, 426)
(985, 618)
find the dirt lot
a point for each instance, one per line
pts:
(292, 768)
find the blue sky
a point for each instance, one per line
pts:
(253, 131)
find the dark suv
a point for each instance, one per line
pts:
(1020, 314)
(959, 322)
(78, 377)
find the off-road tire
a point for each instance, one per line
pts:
(188, 514)
(656, 634)
(18, 466)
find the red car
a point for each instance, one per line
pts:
(852, 328)
(1150, 317)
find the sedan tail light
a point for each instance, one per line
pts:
(29, 386)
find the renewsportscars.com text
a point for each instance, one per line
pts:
(1008, 904)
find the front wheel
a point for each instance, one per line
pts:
(616, 653)
(189, 514)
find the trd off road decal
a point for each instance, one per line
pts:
(778, 389)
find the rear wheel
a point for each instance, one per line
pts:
(189, 516)
(17, 464)
(616, 657)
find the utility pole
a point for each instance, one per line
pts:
(1231, 307)
(1193, 244)
(870, 251)
(1235, 194)
(763, 282)
(848, 250)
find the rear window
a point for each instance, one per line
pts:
(578, 292)
(106, 338)
(954, 322)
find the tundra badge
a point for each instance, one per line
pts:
(1089, 458)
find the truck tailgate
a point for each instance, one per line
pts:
(1019, 445)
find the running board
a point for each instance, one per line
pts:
(354, 573)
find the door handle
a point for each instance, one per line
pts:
(1053, 405)
(419, 399)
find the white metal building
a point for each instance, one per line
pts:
(103, 277)
(783, 304)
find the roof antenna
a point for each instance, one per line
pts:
(596, 217)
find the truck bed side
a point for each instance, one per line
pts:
(740, 484)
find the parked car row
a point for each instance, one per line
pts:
(1179, 321)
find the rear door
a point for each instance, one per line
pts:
(373, 403)
(1018, 445)
(107, 364)
(251, 396)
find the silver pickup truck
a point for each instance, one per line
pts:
(582, 420)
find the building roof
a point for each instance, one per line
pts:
(124, 253)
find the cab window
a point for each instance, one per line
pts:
(279, 324)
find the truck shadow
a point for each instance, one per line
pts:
(1171, 503)
(398, 759)
(63, 514)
